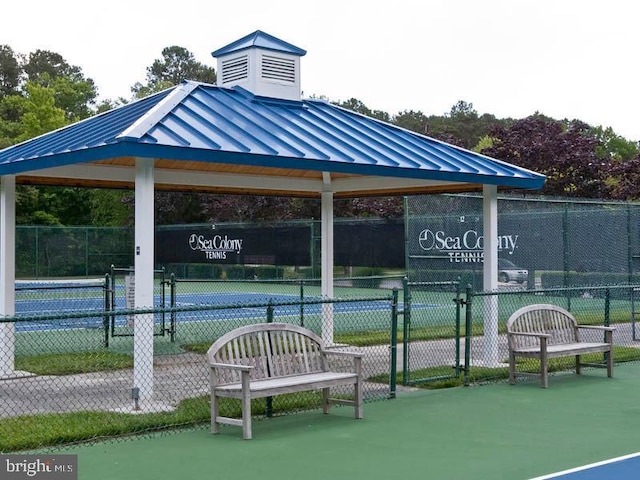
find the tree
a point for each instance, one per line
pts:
(625, 184)
(74, 93)
(10, 71)
(358, 106)
(110, 208)
(612, 146)
(416, 121)
(52, 205)
(177, 64)
(461, 125)
(564, 152)
(40, 114)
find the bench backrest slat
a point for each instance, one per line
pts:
(542, 318)
(273, 349)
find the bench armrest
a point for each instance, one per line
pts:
(531, 334)
(597, 327)
(244, 368)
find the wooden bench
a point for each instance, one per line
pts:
(548, 331)
(269, 359)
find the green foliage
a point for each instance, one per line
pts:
(10, 71)
(110, 208)
(53, 205)
(177, 64)
(74, 93)
(358, 106)
(416, 121)
(485, 142)
(40, 113)
(612, 146)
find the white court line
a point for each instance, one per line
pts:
(587, 467)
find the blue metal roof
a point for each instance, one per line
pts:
(199, 122)
(262, 40)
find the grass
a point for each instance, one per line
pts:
(53, 429)
(73, 363)
(444, 376)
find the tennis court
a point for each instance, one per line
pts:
(625, 467)
(493, 432)
(54, 298)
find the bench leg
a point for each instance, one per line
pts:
(578, 365)
(214, 403)
(246, 407)
(512, 368)
(609, 355)
(215, 426)
(544, 363)
(357, 393)
(326, 401)
(544, 381)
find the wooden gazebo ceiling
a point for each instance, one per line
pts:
(259, 186)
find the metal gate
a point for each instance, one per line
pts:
(431, 332)
(120, 298)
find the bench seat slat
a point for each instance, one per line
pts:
(289, 384)
(565, 349)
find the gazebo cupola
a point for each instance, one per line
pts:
(262, 64)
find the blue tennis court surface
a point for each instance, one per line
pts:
(620, 468)
(245, 305)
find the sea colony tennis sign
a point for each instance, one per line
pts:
(464, 248)
(215, 247)
(233, 245)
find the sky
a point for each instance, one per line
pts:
(574, 59)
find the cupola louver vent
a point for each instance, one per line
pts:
(261, 64)
(235, 69)
(278, 68)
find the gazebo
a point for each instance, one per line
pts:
(252, 133)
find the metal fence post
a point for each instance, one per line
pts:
(607, 307)
(467, 334)
(394, 344)
(302, 303)
(406, 324)
(268, 409)
(107, 307)
(172, 304)
(458, 306)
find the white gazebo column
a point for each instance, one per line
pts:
(326, 258)
(7, 273)
(490, 273)
(143, 271)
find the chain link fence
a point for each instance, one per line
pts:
(467, 343)
(599, 305)
(62, 381)
(542, 242)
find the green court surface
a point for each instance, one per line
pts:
(483, 432)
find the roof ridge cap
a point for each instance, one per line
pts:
(143, 124)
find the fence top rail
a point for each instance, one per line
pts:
(282, 280)
(486, 293)
(60, 286)
(188, 308)
(434, 284)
